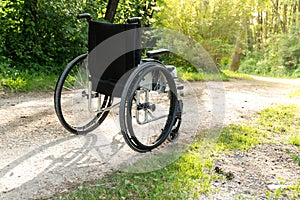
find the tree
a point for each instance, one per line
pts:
(111, 10)
(214, 24)
(39, 33)
(237, 56)
(136, 8)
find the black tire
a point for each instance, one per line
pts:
(70, 99)
(147, 121)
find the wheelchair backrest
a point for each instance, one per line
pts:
(99, 32)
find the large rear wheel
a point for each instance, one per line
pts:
(148, 107)
(75, 106)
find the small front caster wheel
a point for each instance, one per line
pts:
(173, 136)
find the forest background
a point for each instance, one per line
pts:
(39, 37)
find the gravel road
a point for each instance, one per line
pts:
(39, 158)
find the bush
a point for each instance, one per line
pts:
(41, 33)
(281, 57)
(290, 50)
(225, 62)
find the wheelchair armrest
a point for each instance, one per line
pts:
(86, 16)
(134, 20)
(156, 53)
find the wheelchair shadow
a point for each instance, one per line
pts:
(68, 161)
(31, 167)
(65, 162)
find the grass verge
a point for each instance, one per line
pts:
(13, 80)
(224, 75)
(294, 94)
(192, 174)
(37, 82)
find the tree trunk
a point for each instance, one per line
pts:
(294, 14)
(276, 13)
(298, 13)
(237, 56)
(259, 31)
(111, 10)
(284, 21)
(266, 23)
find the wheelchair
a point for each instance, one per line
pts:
(145, 90)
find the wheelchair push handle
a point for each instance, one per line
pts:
(86, 16)
(134, 20)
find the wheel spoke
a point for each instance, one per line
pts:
(149, 110)
(71, 105)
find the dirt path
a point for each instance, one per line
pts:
(39, 158)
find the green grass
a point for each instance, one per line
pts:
(294, 139)
(281, 119)
(294, 94)
(236, 75)
(295, 190)
(37, 79)
(186, 178)
(224, 75)
(295, 157)
(237, 137)
(24, 82)
(193, 173)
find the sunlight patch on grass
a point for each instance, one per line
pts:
(295, 189)
(29, 83)
(237, 137)
(197, 76)
(281, 119)
(236, 75)
(14, 84)
(294, 94)
(294, 139)
(224, 75)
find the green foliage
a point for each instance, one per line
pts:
(41, 36)
(236, 75)
(188, 177)
(14, 84)
(294, 94)
(136, 8)
(290, 50)
(13, 79)
(204, 22)
(223, 75)
(224, 63)
(295, 189)
(294, 139)
(201, 76)
(279, 119)
(295, 158)
(280, 57)
(219, 50)
(235, 137)
(39, 33)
